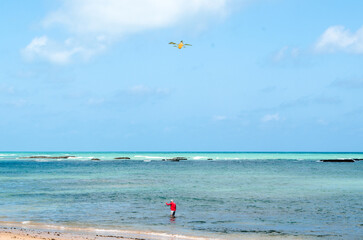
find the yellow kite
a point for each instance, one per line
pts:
(180, 45)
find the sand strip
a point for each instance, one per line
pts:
(22, 233)
(15, 232)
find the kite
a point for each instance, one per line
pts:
(180, 45)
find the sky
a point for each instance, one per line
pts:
(261, 75)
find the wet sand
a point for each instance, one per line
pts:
(26, 234)
(19, 233)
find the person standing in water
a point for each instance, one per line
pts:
(172, 208)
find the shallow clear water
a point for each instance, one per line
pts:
(236, 193)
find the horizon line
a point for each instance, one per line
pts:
(180, 151)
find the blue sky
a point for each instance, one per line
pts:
(263, 75)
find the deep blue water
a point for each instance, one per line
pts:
(236, 193)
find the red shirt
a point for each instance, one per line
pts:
(172, 206)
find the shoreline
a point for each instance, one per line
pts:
(11, 233)
(36, 231)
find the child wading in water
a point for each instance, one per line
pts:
(172, 208)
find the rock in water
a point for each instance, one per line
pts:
(95, 159)
(122, 158)
(177, 159)
(337, 160)
(47, 157)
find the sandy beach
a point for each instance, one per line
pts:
(26, 234)
(21, 233)
(12, 232)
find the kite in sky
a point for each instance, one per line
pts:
(180, 45)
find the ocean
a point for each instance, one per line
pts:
(231, 196)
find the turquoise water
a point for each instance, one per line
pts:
(234, 194)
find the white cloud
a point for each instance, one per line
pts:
(322, 122)
(60, 53)
(96, 101)
(219, 118)
(270, 117)
(17, 103)
(338, 38)
(145, 90)
(286, 52)
(115, 17)
(93, 22)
